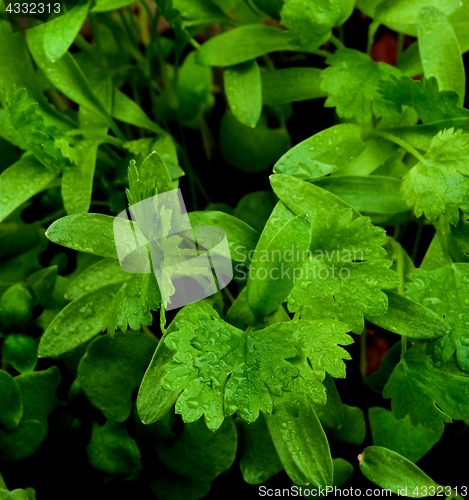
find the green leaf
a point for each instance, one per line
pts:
(409, 318)
(244, 92)
(167, 485)
(322, 153)
(287, 85)
(241, 237)
(104, 272)
(430, 103)
(402, 15)
(251, 150)
(438, 184)
(440, 51)
(112, 369)
(61, 32)
(302, 447)
(443, 291)
(332, 413)
(391, 471)
(153, 167)
(107, 5)
(28, 122)
(259, 459)
(198, 453)
(265, 294)
(242, 44)
(240, 314)
(21, 181)
(42, 283)
(310, 23)
(374, 194)
(417, 385)
(351, 82)
(16, 307)
(20, 351)
(77, 322)
(400, 435)
(378, 379)
(112, 450)
(353, 430)
(11, 405)
(90, 233)
(22, 442)
(362, 271)
(255, 208)
(27, 494)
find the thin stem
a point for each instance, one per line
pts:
(400, 45)
(337, 43)
(363, 361)
(50, 218)
(373, 28)
(417, 241)
(400, 142)
(148, 331)
(320, 52)
(229, 294)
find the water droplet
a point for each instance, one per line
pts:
(5, 199)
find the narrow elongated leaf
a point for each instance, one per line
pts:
(90, 233)
(242, 44)
(154, 168)
(244, 91)
(107, 5)
(270, 264)
(77, 322)
(21, 181)
(284, 86)
(302, 447)
(61, 32)
(440, 51)
(391, 471)
(322, 153)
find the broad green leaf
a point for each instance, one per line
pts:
(200, 12)
(343, 470)
(391, 471)
(21, 442)
(259, 459)
(351, 82)
(38, 395)
(400, 435)
(112, 450)
(198, 453)
(107, 5)
(346, 271)
(409, 318)
(255, 208)
(60, 33)
(27, 494)
(444, 292)
(128, 111)
(11, 405)
(438, 184)
(104, 272)
(322, 153)
(77, 322)
(28, 122)
(270, 263)
(417, 385)
(42, 283)
(287, 85)
(112, 369)
(353, 430)
(242, 44)
(21, 181)
(374, 194)
(67, 76)
(434, 257)
(330, 414)
(20, 351)
(302, 447)
(440, 51)
(154, 168)
(90, 233)
(431, 103)
(402, 15)
(243, 90)
(251, 150)
(241, 237)
(270, 7)
(310, 23)
(16, 308)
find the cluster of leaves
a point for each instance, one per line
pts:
(258, 367)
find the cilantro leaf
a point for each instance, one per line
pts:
(444, 291)
(29, 123)
(219, 370)
(438, 184)
(430, 395)
(430, 103)
(346, 271)
(351, 82)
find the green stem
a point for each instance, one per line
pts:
(400, 142)
(400, 45)
(400, 290)
(229, 294)
(148, 331)
(337, 43)
(50, 218)
(363, 361)
(371, 35)
(417, 241)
